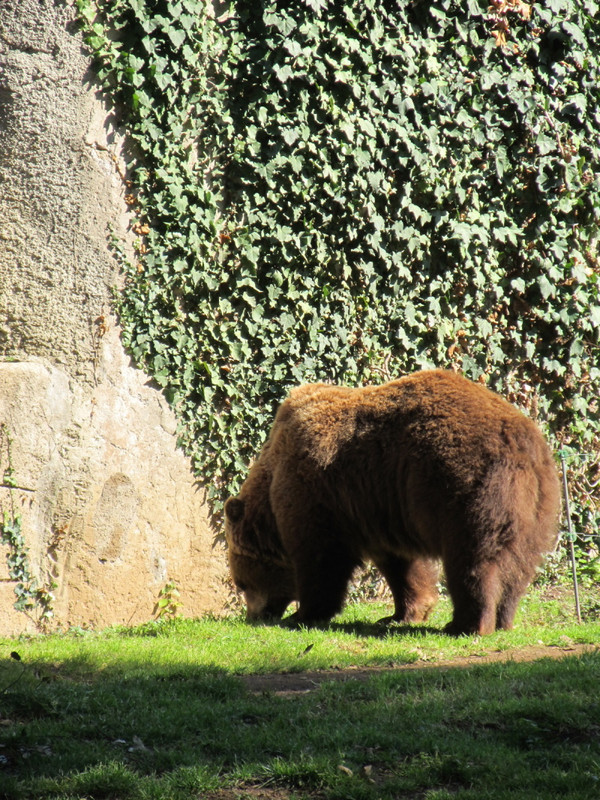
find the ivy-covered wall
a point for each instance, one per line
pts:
(346, 191)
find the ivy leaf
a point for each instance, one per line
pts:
(546, 288)
(176, 35)
(283, 73)
(367, 127)
(576, 106)
(347, 128)
(316, 5)
(290, 136)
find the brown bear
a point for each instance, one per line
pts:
(425, 468)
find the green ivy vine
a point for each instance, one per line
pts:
(347, 191)
(30, 596)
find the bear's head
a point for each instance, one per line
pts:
(259, 567)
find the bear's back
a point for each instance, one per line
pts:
(434, 413)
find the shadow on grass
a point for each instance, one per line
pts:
(381, 630)
(72, 730)
(372, 630)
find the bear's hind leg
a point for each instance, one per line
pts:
(507, 608)
(515, 587)
(413, 584)
(475, 593)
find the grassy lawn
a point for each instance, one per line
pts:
(161, 712)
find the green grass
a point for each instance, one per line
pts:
(160, 712)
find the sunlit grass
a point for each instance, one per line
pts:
(353, 639)
(159, 712)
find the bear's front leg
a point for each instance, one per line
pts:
(322, 576)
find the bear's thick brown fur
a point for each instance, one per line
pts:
(428, 467)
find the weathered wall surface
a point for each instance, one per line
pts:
(111, 510)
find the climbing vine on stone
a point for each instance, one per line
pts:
(30, 596)
(340, 191)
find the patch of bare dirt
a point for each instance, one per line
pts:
(249, 792)
(290, 684)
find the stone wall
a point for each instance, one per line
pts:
(110, 507)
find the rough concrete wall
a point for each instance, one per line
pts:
(111, 510)
(58, 190)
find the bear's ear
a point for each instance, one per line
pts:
(234, 509)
